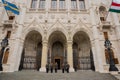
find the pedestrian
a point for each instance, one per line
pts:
(76, 68)
(56, 67)
(67, 67)
(63, 68)
(51, 67)
(47, 68)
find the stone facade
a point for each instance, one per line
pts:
(47, 26)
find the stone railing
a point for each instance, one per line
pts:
(56, 10)
(105, 22)
(7, 23)
(105, 25)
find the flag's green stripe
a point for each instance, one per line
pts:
(114, 10)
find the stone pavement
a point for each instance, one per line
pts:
(34, 75)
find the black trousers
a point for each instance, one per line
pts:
(55, 70)
(51, 70)
(67, 70)
(62, 70)
(75, 69)
(47, 70)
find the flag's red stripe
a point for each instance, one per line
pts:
(115, 4)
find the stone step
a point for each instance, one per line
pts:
(36, 75)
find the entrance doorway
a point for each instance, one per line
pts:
(32, 52)
(82, 53)
(57, 48)
(58, 62)
(57, 53)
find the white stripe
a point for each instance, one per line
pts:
(116, 1)
(115, 7)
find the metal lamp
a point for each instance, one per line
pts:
(108, 45)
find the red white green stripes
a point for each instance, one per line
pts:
(115, 6)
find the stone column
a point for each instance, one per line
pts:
(117, 30)
(78, 8)
(70, 55)
(94, 55)
(44, 56)
(117, 26)
(38, 3)
(68, 7)
(99, 55)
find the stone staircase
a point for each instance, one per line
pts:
(117, 75)
(34, 75)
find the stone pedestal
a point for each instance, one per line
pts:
(42, 69)
(106, 68)
(6, 68)
(71, 69)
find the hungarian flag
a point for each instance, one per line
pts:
(115, 6)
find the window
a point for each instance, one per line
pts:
(105, 35)
(5, 57)
(34, 4)
(102, 12)
(73, 4)
(102, 18)
(54, 4)
(8, 34)
(11, 17)
(81, 4)
(108, 58)
(42, 4)
(62, 4)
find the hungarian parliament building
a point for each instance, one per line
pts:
(60, 31)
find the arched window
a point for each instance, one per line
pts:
(34, 4)
(5, 58)
(102, 12)
(81, 4)
(8, 34)
(42, 4)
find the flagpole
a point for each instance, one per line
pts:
(108, 12)
(107, 15)
(7, 13)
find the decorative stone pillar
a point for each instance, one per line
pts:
(70, 55)
(20, 50)
(94, 55)
(117, 26)
(97, 51)
(44, 56)
(117, 30)
(15, 44)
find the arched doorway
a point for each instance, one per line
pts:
(57, 48)
(82, 53)
(57, 53)
(32, 52)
